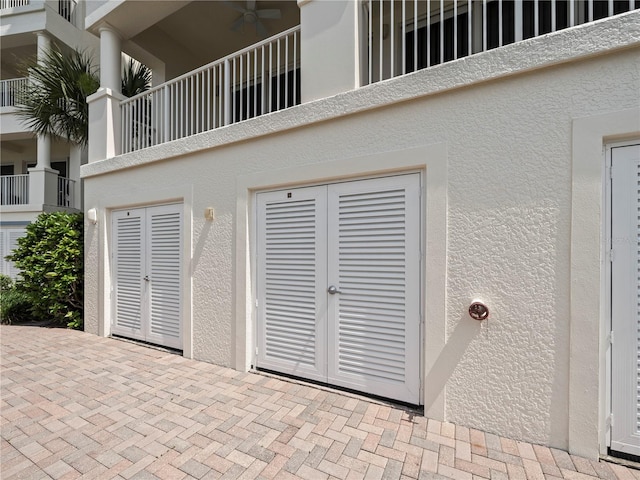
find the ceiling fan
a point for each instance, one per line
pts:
(252, 16)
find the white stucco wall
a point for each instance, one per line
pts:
(506, 134)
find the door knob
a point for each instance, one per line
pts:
(146, 278)
(333, 290)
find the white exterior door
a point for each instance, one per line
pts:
(339, 284)
(625, 299)
(147, 264)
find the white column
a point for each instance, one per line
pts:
(329, 47)
(44, 141)
(104, 105)
(110, 59)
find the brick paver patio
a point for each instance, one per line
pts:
(76, 405)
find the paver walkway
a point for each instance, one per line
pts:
(73, 404)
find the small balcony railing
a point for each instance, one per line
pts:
(67, 10)
(14, 189)
(408, 35)
(12, 3)
(66, 192)
(11, 89)
(260, 79)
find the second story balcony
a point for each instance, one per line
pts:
(334, 47)
(11, 89)
(260, 79)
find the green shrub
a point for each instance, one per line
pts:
(6, 283)
(50, 259)
(14, 305)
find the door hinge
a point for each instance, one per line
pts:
(610, 338)
(609, 421)
(256, 303)
(256, 351)
(611, 255)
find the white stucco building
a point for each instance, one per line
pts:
(403, 161)
(39, 174)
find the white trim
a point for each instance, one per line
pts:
(432, 161)
(588, 330)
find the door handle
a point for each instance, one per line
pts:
(333, 290)
(146, 278)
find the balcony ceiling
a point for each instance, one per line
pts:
(194, 33)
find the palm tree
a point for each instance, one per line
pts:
(55, 101)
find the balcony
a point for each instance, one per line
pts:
(11, 89)
(14, 190)
(403, 36)
(4, 4)
(398, 37)
(260, 79)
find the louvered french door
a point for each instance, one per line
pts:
(625, 299)
(339, 284)
(147, 263)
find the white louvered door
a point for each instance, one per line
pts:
(374, 247)
(625, 299)
(128, 268)
(362, 238)
(292, 281)
(147, 259)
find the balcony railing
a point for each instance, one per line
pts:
(10, 90)
(408, 35)
(66, 189)
(14, 189)
(67, 9)
(260, 79)
(13, 3)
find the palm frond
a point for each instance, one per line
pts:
(55, 101)
(136, 78)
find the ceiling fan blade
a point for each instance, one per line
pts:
(238, 24)
(261, 29)
(234, 6)
(251, 4)
(272, 13)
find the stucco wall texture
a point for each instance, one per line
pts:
(509, 180)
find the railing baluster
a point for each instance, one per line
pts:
(441, 32)
(500, 40)
(415, 35)
(455, 29)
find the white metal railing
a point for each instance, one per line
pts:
(403, 36)
(14, 189)
(257, 80)
(11, 89)
(66, 190)
(13, 3)
(67, 9)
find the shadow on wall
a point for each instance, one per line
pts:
(455, 347)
